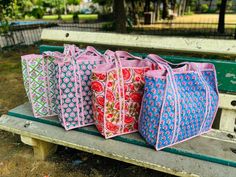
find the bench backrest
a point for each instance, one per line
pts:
(226, 70)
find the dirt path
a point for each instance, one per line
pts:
(16, 159)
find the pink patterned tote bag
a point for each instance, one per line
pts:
(73, 91)
(117, 94)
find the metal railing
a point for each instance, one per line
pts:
(30, 34)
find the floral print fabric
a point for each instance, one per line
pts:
(74, 91)
(117, 101)
(163, 122)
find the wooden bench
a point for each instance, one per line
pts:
(212, 154)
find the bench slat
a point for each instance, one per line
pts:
(179, 44)
(130, 153)
(24, 111)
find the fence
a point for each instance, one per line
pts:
(192, 29)
(27, 35)
(23, 34)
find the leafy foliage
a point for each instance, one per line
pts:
(102, 2)
(5, 9)
(204, 8)
(73, 2)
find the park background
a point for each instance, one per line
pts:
(21, 24)
(23, 20)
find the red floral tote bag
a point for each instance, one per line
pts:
(117, 93)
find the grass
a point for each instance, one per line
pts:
(69, 17)
(12, 92)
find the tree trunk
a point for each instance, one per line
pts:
(58, 10)
(173, 5)
(184, 7)
(133, 13)
(1, 13)
(119, 16)
(65, 7)
(157, 9)
(147, 6)
(221, 24)
(187, 6)
(210, 5)
(198, 8)
(180, 8)
(165, 9)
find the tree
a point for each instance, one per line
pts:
(221, 23)
(210, 4)
(72, 2)
(147, 6)
(134, 12)
(58, 4)
(133, 9)
(6, 12)
(165, 9)
(119, 16)
(104, 4)
(157, 9)
(6, 9)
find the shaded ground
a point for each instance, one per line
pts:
(16, 159)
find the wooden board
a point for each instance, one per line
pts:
(226, 77)
(207, 147)
(180, 44)
(126, 152)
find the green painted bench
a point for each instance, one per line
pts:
(212, 154)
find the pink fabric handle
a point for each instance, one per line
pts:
(191, 66)
(125, 55)
(31, 56)
(71, 50)
(109, 55)
(60, 58)
(92, 50)
(170, 81)
(160, 62)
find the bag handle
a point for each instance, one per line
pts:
(93, 51)
(160, 61)
(170, 81)
(118, 57)
(125, 55)
(71, 49)
(109, 55)
(119, 72)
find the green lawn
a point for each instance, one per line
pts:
(69, 17)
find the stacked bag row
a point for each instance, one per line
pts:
(121, 93)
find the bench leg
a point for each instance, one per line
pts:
(227, 120)
(41, 149)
